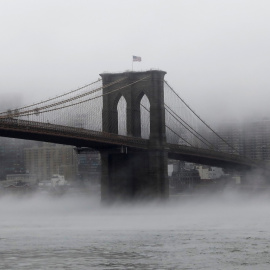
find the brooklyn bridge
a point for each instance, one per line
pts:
(137, 121)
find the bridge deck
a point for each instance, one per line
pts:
(80, 137)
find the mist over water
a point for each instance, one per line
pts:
(219, 231)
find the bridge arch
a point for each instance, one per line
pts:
(121, 108)
(142, 104)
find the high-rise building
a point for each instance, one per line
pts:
(250, 139)
(257, 139)
(49, 159)
(232, 138)
(12, 156)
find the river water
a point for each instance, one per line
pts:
(224, 231)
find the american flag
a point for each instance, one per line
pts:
(137, 58)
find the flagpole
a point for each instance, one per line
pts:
(135, 59)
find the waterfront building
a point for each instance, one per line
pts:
(12, 156)
(184, 177)
(207, 172)
(89, 167)
(16, 179)
(49, 159)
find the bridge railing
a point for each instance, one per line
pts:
(110, 139)
(80, 133)
(213, 153)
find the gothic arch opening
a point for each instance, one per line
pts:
(145, 117)
(122, 116)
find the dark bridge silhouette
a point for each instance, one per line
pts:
(132, 166)
(79, 137)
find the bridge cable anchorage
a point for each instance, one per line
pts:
(189, 128)
(38, 110)
(179, 136)
(50, 99)
(199, 117)
(32, 112)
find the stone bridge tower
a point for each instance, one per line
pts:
(131, 173)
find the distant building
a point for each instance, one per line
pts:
(233, 138)
(183, 177)
(15, 179)
(12, 156)
(50, 159)
(257, 139)
(250, 139)
(89, 167)
(207, 172)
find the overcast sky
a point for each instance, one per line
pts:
(215, 52)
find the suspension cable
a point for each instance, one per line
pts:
(37, 110)
(50, 99)
(171, 112)
(186, 127)
(83, 101)
(170, 129)
(199, 117)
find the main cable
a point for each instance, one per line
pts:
(170, 129)
(50, 99)
(28, 114)
(199, 117)
(189, 128)
(37, 110)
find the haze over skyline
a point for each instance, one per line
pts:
(216, 53)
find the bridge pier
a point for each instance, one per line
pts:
(134, 175)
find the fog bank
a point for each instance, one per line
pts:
(226, 210)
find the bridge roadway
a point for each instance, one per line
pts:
(30, 130)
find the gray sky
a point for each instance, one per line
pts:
(216, 52)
